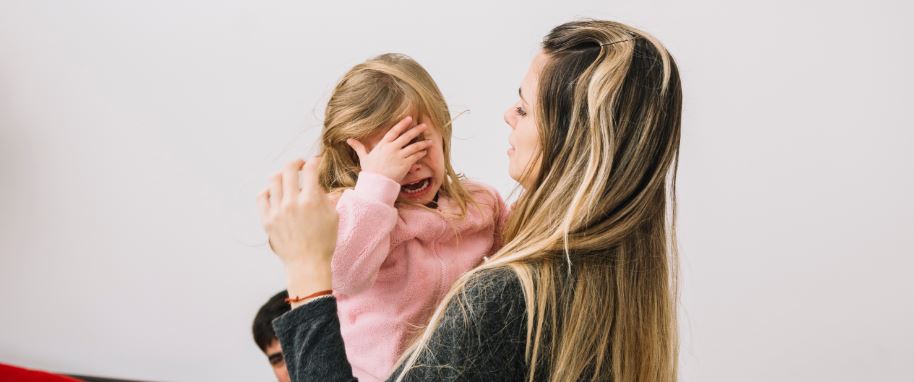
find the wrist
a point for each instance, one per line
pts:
(378, 187)
(296, 301)
(305, 278)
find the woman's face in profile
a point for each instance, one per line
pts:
(521, 117)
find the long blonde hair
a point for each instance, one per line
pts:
(592, 242)
(373, 96)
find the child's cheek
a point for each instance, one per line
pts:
(439, 161)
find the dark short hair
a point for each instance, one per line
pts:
(263, 322)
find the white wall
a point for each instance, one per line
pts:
(135, 135)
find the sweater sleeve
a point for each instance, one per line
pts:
(311, 343)
(482, 339)
(367, 218)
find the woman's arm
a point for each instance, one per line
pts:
(311, 342)
(301, 223)
(481, 336)
(479, 339)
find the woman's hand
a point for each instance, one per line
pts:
(301, 222)
(395, 153)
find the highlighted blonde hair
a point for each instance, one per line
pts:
(592, 241)
(372, 97)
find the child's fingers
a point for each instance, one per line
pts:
(290, 178)
(398, 129)
(409, 135)
(358, 147)
(416, 147)
(415, 157)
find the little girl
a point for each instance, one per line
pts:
(409, 225)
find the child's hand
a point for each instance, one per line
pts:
(395, 153)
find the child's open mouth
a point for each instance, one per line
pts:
(417, 188)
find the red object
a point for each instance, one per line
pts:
(13, 373)
(312, 295)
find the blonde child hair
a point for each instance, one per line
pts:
(371, 97)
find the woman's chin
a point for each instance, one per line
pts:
(514, 175)
(520, 179)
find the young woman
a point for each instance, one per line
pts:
(584, 286)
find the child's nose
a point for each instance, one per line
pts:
(415, 168)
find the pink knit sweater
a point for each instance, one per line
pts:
(393, 266)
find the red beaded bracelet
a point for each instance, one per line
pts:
(312, 295)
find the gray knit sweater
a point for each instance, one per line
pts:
(483, 342)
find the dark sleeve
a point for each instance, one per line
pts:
(312, 345)
(481, 339)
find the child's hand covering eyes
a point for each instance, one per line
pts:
(396, 152)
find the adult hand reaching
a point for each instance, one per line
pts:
(301, 222)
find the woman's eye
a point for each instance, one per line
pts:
(520, 111)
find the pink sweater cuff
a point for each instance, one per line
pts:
(377, 187)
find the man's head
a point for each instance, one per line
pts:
(266, 338)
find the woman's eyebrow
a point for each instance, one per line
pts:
(521, 94)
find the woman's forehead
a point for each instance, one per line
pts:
(528, 86)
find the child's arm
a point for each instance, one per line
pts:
(367, 213)
(367, 218)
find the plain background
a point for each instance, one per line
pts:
(134, 137)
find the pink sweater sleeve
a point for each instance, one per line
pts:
(367, 218)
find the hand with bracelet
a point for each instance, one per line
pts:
(301, 222)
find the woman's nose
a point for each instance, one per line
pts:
(509, 118)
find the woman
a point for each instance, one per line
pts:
(584, 287)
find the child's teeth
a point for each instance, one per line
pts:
(419, 186)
